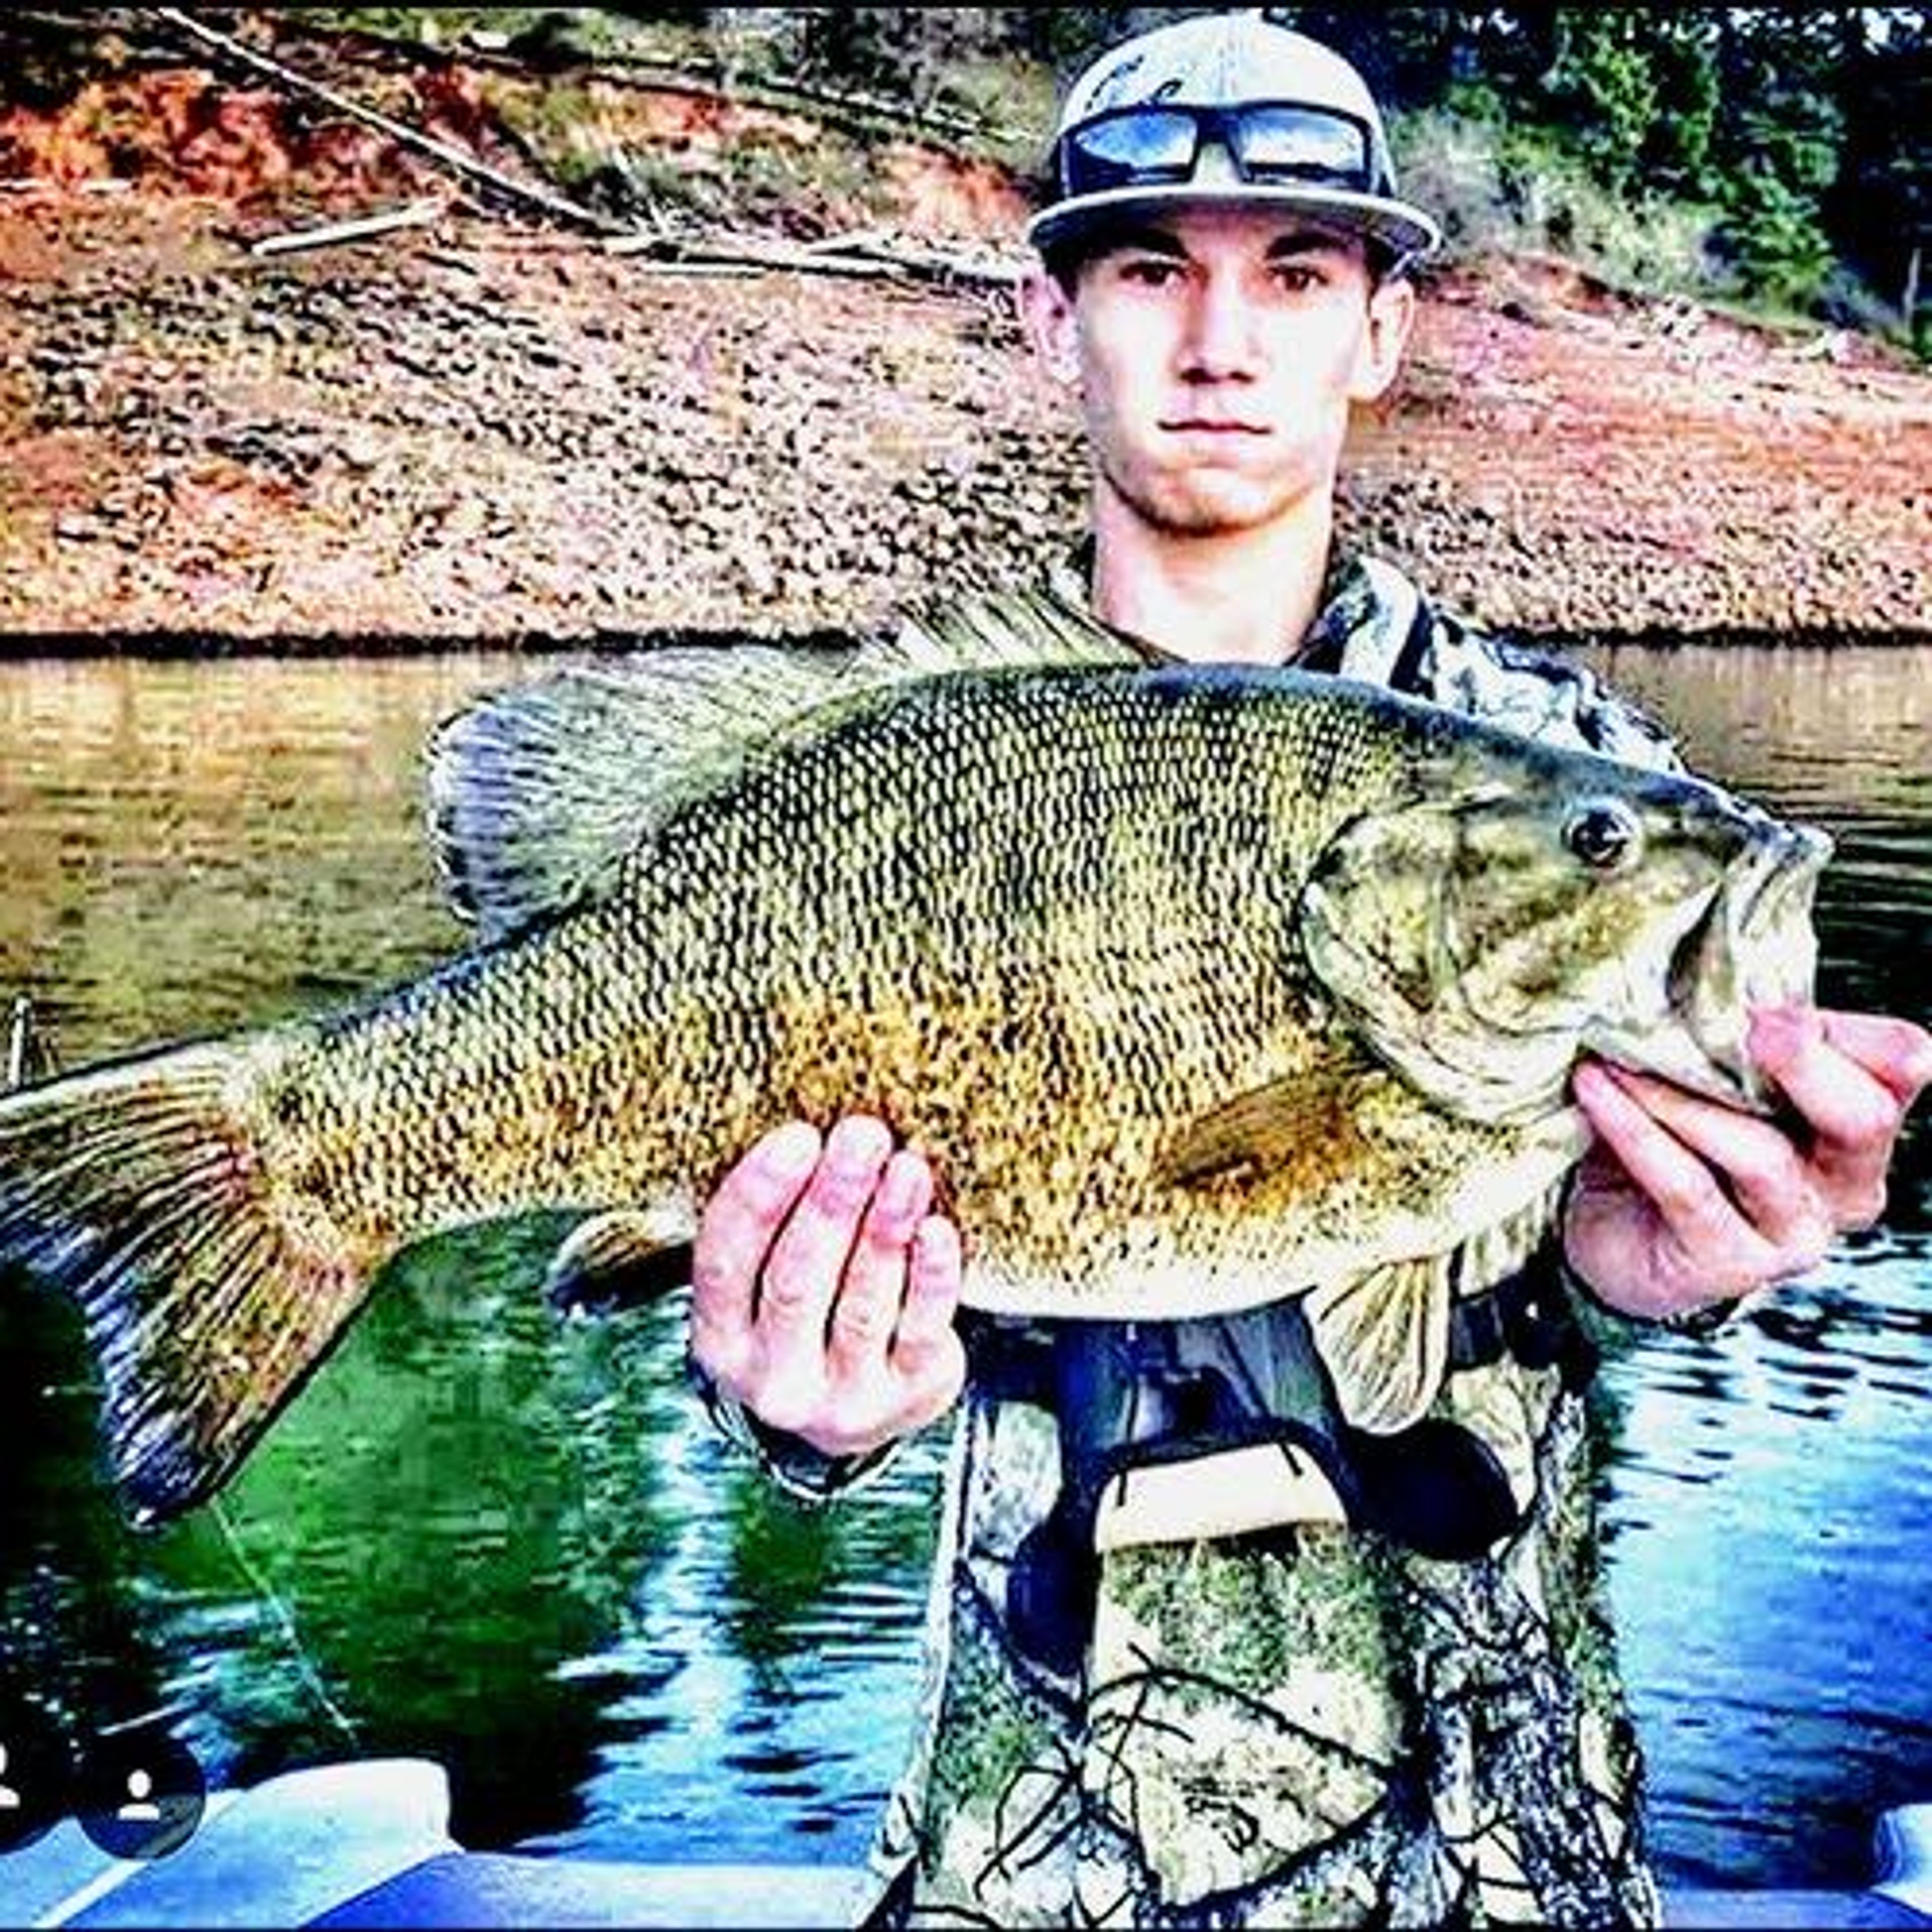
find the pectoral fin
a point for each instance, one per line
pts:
(1383, 1337)
(618, 1260)
(1269, 1126)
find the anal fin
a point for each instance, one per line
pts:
(619, 1260)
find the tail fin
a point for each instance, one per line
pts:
(209, 1292)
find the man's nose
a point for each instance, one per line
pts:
(1220, 341)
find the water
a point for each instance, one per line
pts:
(1769, 1527)
(518, 1549)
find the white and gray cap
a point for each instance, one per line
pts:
(1230, 65)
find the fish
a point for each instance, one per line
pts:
(1201, 986)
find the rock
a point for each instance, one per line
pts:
(802, 450)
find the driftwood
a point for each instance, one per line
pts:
(417, 215)
(867, 113)
(744, 251)
(935, 265)
(715, 271)
(862, 255)
(49, 184)
(452, 157)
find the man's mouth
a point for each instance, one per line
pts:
(1212, 426)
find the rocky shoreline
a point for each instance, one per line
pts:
(479, 432)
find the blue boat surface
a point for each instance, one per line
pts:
(367, 1845)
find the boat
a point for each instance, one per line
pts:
(366, 1845)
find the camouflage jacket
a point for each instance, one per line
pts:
(1302, 1719)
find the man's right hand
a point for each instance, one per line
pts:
(823, 1289)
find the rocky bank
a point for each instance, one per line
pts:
(487, 428)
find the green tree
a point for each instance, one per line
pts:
(1879, 210)
(1777, 144)
(1067, 37)
(1674, 154)
(1601, 91)
(1406, 54)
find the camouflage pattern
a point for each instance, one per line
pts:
(1306, 1726)
(1309, 1724)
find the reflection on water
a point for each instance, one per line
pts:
(517, 1548)
(188, 847)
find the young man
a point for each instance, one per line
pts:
(1226, 1660)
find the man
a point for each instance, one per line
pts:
(1199, 1651)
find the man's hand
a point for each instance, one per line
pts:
(1683, 1202)
(823, 1289)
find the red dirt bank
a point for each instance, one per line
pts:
(483, 429)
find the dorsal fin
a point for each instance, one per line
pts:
(1009, 630)
(535, 793)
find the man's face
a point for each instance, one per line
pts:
(1217, 353)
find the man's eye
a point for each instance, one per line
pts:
(1151, 270)
(1296, 280)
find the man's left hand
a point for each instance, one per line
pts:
(1683, 1202)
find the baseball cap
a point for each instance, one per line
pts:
(1227, 107)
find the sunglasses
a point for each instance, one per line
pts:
(1269, 141)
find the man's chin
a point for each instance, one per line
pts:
(1220, 514)
(1205, 503)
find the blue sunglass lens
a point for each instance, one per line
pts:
(1278, 143)
(1139, 147)
(1290, 143)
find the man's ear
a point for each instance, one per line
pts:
(1391, 317)
(1046, 313)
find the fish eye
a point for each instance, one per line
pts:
(1603, 834)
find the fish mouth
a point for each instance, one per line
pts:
(1754, 946)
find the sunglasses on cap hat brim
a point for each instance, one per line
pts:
(1269, 143)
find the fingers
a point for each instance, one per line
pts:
(867, 1309)
(1738, 1201)
(1852, 1077)
(807, 1261)
(1897, 1052)
(1842, 1100)
(902, 1364)
(1730, 1191)
(824, 1289)
(735, 1234)
(926, 1348)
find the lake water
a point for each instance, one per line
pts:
(516, 1548)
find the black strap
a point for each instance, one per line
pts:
(1526, 1315)
(1406, 674)
(1134, 1395)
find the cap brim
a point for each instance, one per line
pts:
(1398, 226)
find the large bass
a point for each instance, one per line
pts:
(1200, 987)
